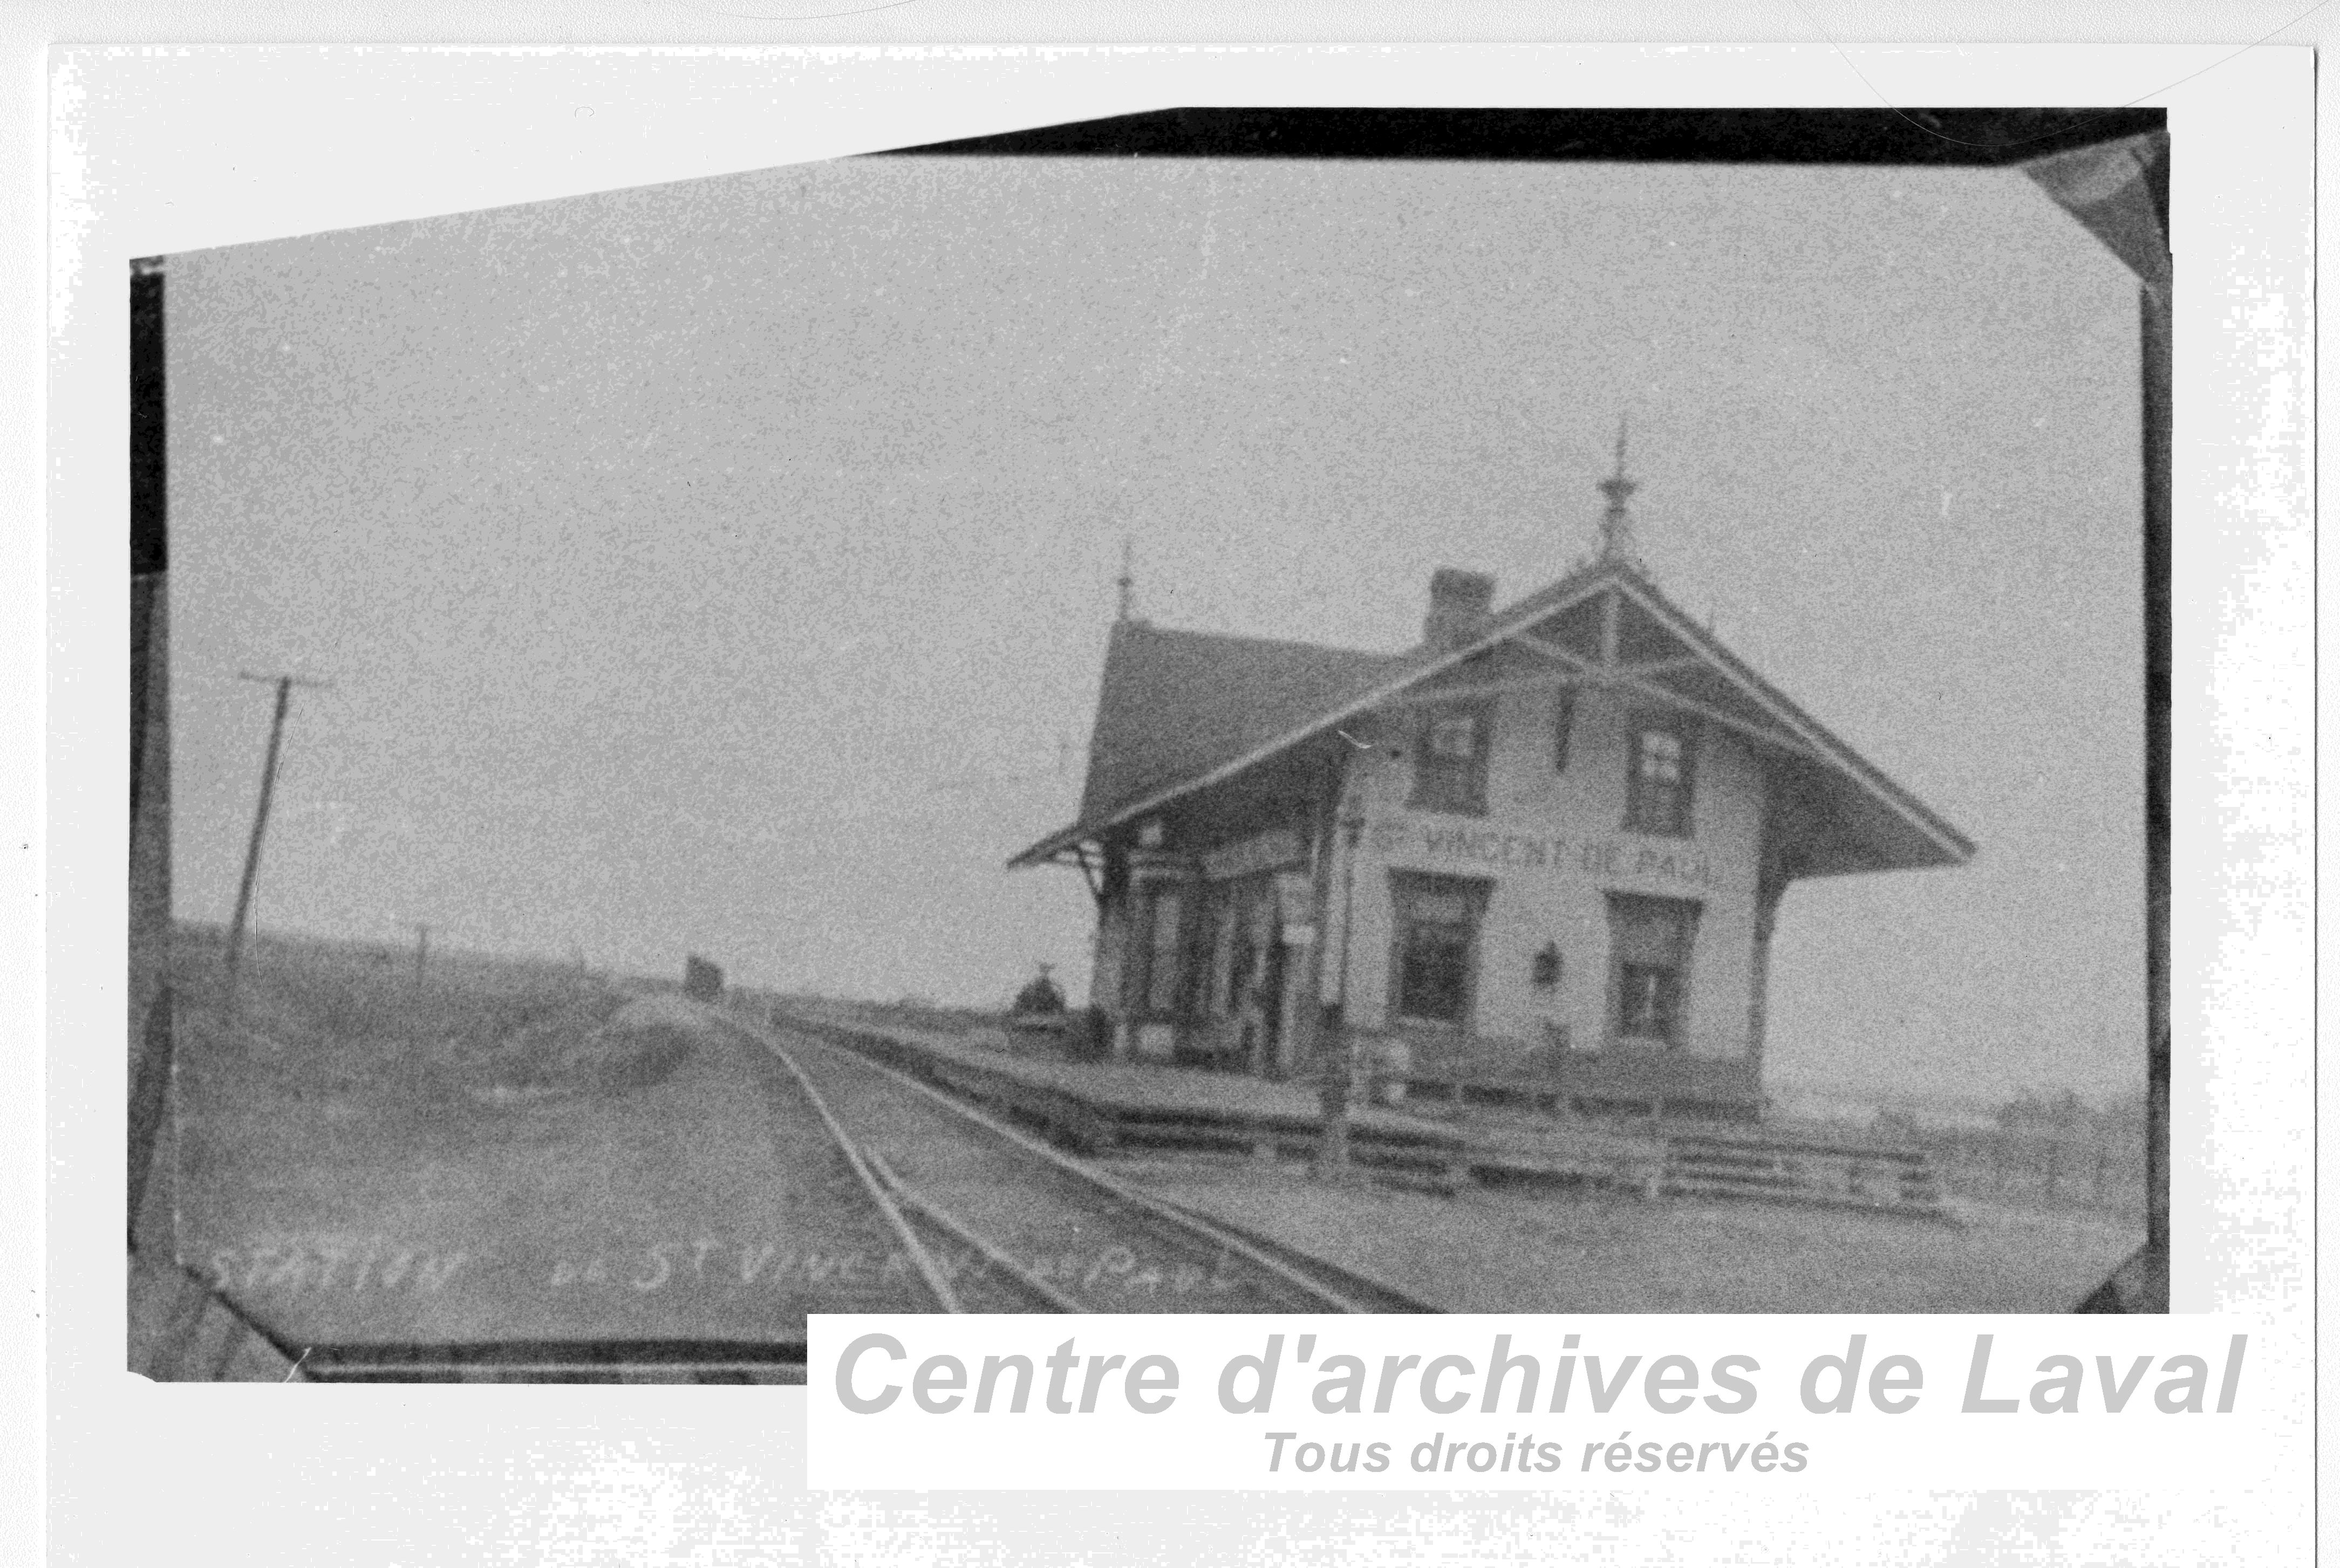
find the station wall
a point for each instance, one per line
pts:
(1552, 848)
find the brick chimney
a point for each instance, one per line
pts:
(1459, 603)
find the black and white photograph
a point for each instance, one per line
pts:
(1214, 711)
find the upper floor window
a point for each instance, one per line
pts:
(1450, 760)
(1658, 789)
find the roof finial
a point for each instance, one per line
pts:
(1616, 523)
(1127, 584)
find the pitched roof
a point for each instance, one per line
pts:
(1177, 705)
(1180, 711)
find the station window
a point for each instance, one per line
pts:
(1435, 967)
(1650, 946)
(1450, 763)
(1649, 1002)
(1242, 962)
(1164, 909)
(1658, 789)
(1235, 951)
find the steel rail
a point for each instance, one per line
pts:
(960, 1231)
(1176, 1220)
(927, 1268)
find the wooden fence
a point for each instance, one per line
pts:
(2080, 1166)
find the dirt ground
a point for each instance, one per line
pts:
(495, 1156)
(1486, 1251)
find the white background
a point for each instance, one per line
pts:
(171, 152)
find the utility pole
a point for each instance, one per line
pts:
(284, 685)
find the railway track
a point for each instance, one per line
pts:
(939, 1206)
(1009, 1223)
(852, 1248)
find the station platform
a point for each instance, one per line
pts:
(1137, 1108)
(1122, 1108)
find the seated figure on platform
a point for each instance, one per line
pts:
(1042, 997)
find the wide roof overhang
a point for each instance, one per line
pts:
(1608, 628)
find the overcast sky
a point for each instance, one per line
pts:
(726, 567)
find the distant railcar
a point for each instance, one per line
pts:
(701, 981)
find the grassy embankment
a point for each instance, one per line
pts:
(494, 1150)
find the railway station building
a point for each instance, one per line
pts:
(1546, 846)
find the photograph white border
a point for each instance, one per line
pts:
(390, 134)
